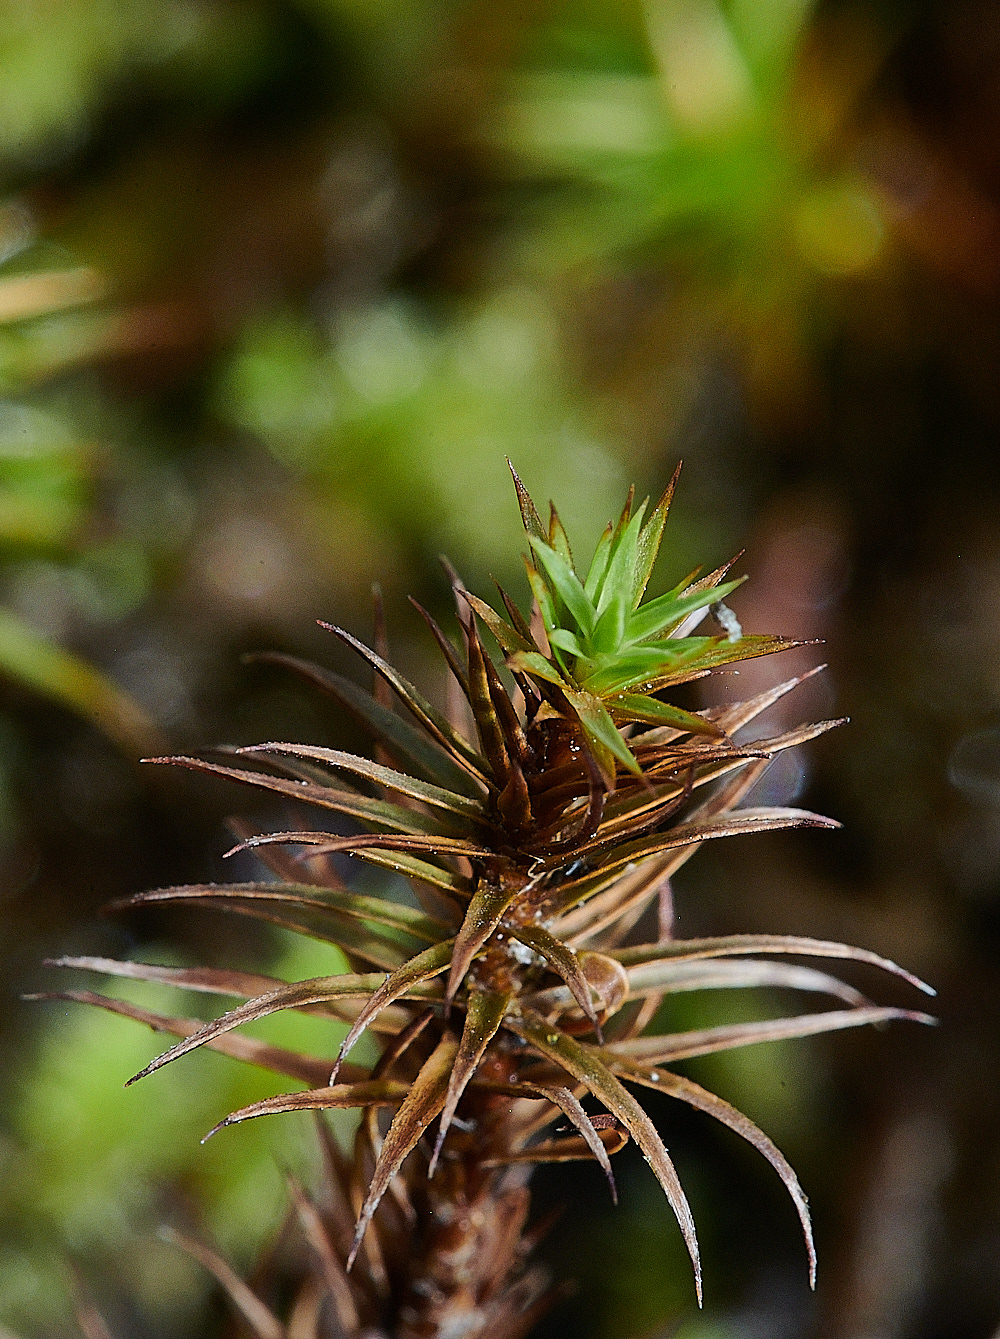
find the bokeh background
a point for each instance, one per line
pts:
(281, 284)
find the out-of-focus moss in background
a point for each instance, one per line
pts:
(281, 284)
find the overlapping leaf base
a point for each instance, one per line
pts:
(524, 977)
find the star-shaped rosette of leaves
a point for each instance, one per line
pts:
(596, 651)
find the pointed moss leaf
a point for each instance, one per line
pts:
(745, 973)
(434, 722)
(489, 902)
(653, 1050)
(423, 1102)
(602, 734)
(392, 816)
(381, 945)
(378, 909)
(571, 1107)
(409, 746)
(566, 584)
(654, 618)
(315, 991)
(517, 619)
(488, 726)
(365, 1093)
(216, 981)
(695, 1096)
(533, 662)
(326, 843)
(483, 1015)
(309, 1069)
(261, 1319)
(730, 945)
(557, 537)
(738, 714)
(435, 796)
(699, 654)
(598, 566)
(729, 825)
(587, 1067)
(508, 637)
(562, 960)
(648, 543)
(635, 707)
(529, 513)
(403, 981)
(209, 980)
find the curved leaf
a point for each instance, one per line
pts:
(733, 824)
(588, 1068)
(409, 745)
(310, 1069)
(403, 981)
(705, 1041)
(571, 1107)
(380, 812)
(720, 974)
(424, 1100)
(694, 1095)
(383, 946)
(365, 1093)
(489, 902)
(562, 959)
(400, 782)
(395, 915)
(217, 981)
(315, 991)
(727, 945)
(484, 1014)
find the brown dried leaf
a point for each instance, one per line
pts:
(400, 782)
(489, 902)
(405, 980)
(484, 1013)
(409, 746)
(215, 981)
(366, 1093)
(587, 1067)
(437, 725)
(315, 991)
(309, 1069)
(704, 1041)
(699, 1097)
(562, 960)
(332, 1266)
(260, 1318)
(424, 1100)
(730, 945)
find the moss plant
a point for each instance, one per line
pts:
(520, 988)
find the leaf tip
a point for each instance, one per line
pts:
(216, 1128)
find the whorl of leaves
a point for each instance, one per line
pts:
(512, 987)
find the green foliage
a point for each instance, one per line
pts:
(609, 654)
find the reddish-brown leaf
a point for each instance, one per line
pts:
(424, 1100)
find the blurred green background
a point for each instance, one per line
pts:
(281, 284)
